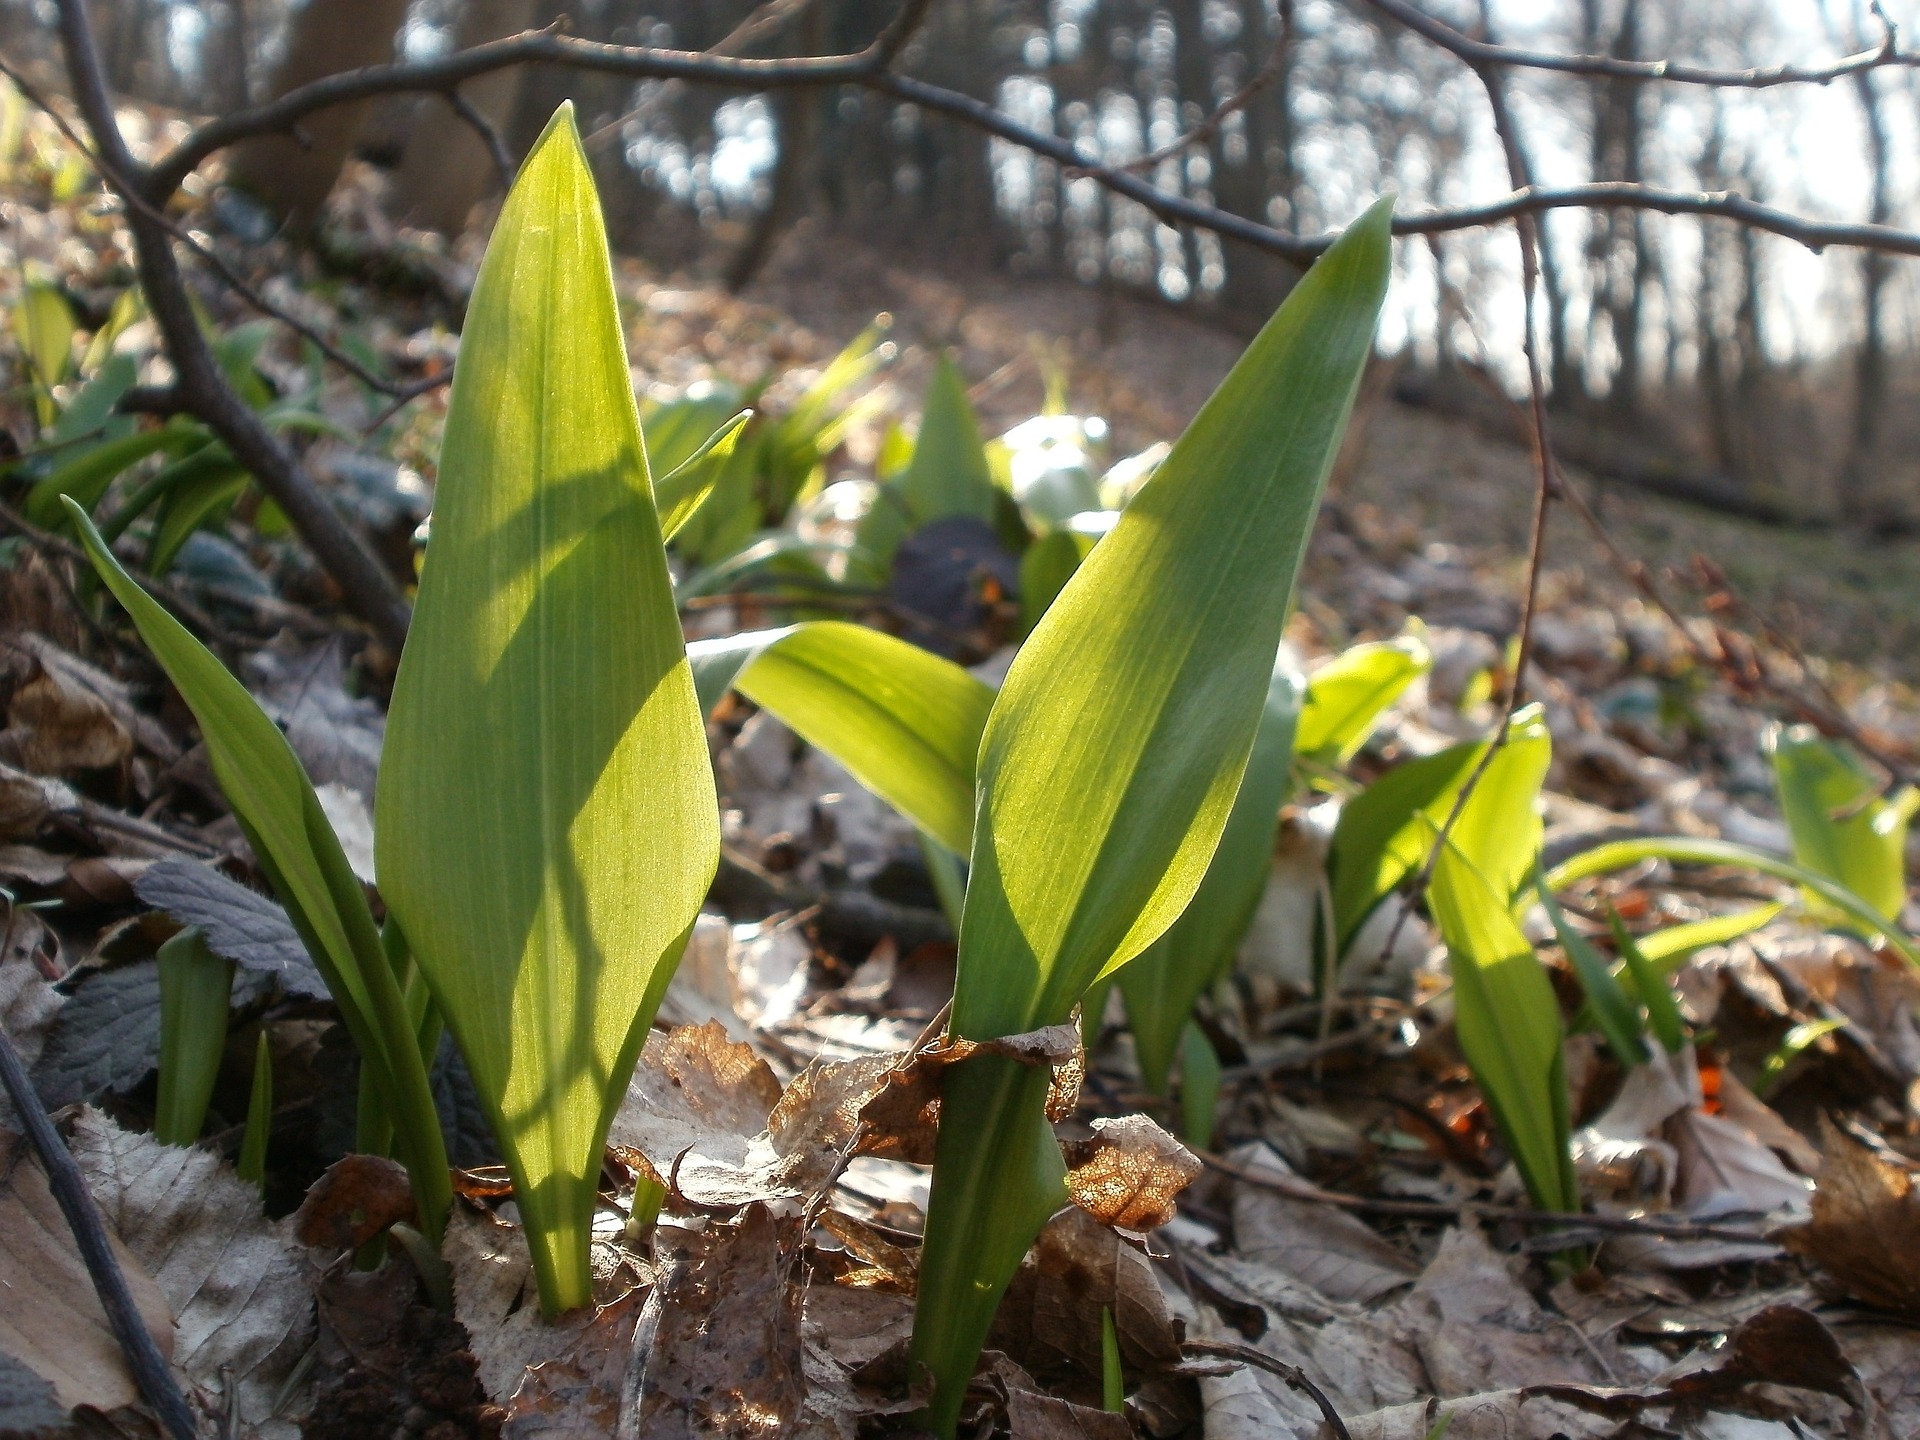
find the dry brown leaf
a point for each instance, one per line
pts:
(494, 1298)
(63, 715)
(28, 801)
(577, 1395)
(1330, 1251)
(1476, 1328)
(1033, 1416)
(357, 1198)
(1495, 1415)
(50, 1321)
(694, 1107)
(1865, 1230)
(1077, 1269)
(242, 1305)
(721, 1331)
(28, 1001)
(1130, 1173)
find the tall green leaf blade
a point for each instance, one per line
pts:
(1612, 1009)
(1509, 1027)
(949, 473)
(281, 816)
(1840, 826)
(1685, 850)
(1385, 833)
(1163, 982)
(1112, 758)
(906, 722)
(1347, 696)
(547, 826)
(685, 488)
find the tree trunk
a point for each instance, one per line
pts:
(293, 174)
(447, 168)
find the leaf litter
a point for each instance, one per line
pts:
(1362, 1227)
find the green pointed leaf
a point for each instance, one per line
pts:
(1841, 827)
(43, 324)
(547, 826)
(1162, 984)
(1111, 761)
(1663, 1011)
(1050, 562)
(1384, 834)
(1347, 696)
(281, 816)
(1684, 850)
(1200, 1077)
(195, 988)
(1612, 1009)
(1672, 947)
(685, 488)
(949, 474)
(1509, 1027)
(906, 722)
(87, 475)
(252, 1164)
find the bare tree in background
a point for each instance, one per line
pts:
(293, 176)
(447, 168)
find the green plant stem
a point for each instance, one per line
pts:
(996, 1180)
(195, 989)
(252, 1164)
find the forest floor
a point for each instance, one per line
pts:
(1751, 1266)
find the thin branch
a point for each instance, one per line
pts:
(1295, 1377)
(1296, 1188)
(1204, 132)
(228, 275)
(489, 134)
(204, 392)
(69, 1187)
(1485, 54)
(1546, 486)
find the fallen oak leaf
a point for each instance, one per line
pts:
(721, 1331)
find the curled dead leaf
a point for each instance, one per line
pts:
(357, 1199)
(1130, 1173)
(1865, 1227)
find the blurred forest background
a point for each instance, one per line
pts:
(1687, 356)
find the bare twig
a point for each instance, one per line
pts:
(489, 134)
(1546, 485)
(1204, 132)
(228, 275)
(869, 68)
(1296, 1188)
(1484, 54)
(69, 1189)
(1295, 1377)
